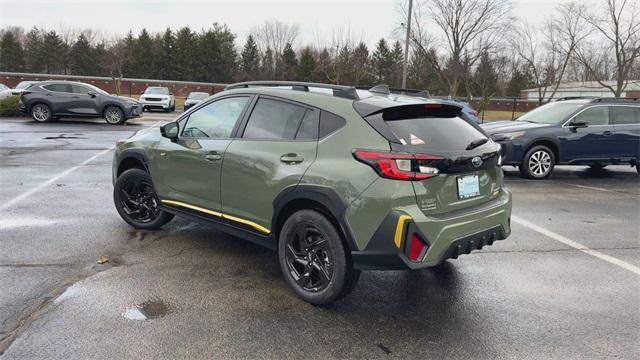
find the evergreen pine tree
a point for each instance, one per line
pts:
(11, 53)
(308, 65)
(250, 60)
(381, 63)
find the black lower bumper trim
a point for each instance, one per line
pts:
(393, 260)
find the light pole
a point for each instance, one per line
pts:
(406, 48)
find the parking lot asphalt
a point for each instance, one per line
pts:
(566, 284)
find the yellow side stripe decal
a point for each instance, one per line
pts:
(397, 239)
(218, 214)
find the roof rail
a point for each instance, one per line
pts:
(347, 92)
(615, 100)
(386, 90)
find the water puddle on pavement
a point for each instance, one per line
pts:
(147, 310)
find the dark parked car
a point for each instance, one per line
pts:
(194, 98)
(48, 100)
(594, 132)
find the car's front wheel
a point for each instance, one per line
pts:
(114, 115)
(313, 259)
(137, 202)
(41, 113)
(538, 163)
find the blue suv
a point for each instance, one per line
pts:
(579, 131)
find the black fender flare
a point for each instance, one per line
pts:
(323, 195)
(137, 154)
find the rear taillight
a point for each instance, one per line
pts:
(24, 92)
(399, 166)
(473, 113)
(416, 247)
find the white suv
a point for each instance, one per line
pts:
(156, 97)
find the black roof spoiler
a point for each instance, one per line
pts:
(386, 90)
(347, 92)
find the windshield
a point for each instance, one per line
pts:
(198, 96)
(24, 84)
(552, 113)
(157, 91)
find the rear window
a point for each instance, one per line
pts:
(435, 133)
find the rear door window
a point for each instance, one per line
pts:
(625, 115)
(435, 133)
(59, 88)
(273, 119)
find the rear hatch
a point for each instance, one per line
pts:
(455, 164)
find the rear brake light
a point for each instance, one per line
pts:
(399, 166)
(24, 92)
(416, 247)
(432, 106)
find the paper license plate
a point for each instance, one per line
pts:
(468, 186)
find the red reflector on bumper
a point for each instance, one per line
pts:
(416, 247)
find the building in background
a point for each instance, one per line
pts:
(588, 88)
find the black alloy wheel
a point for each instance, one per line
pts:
(136, 200)
(309, 258)
(313, 258)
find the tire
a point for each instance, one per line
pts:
(41, 113)
(538, 163)
(114, 115)
(173, 108)
(133, 192)
(308, 247)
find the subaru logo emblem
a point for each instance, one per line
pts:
(476, 161)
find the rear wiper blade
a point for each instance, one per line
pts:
(475, 143)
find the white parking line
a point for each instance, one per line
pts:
(576, 245)
(32, 191)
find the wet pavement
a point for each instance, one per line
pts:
(188, 291)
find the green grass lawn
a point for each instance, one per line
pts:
(494, 115)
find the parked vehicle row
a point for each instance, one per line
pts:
(595, 132)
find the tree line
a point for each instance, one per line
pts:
(457, 48)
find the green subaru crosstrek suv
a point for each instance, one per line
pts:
(337, 180)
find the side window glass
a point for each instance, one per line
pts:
(330, 123)
(625, 115)
(77, 89)
(309, 127)
(598, 115)
(59, 87)
(215, 120)
(272, 119)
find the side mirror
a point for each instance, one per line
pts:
(92, 94)
(170, 131)
(574, 125)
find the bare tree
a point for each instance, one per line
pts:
(618, 34)
(547, 51)
(275, 35)
(467, 29)
(114, 62)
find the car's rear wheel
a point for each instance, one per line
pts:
(538, 163)
(137, 202)
(41, 113)
(113, 115)
(313, 258)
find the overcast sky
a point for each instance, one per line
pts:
(366, 20)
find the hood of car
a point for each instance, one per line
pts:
(498, 127)
(192, 101)
(127, 98)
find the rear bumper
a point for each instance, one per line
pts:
(446, 237)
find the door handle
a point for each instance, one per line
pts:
(291, 158)
(607, 133)
(213, 157)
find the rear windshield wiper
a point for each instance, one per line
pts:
(475, 143)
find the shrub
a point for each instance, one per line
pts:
(9, 106)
